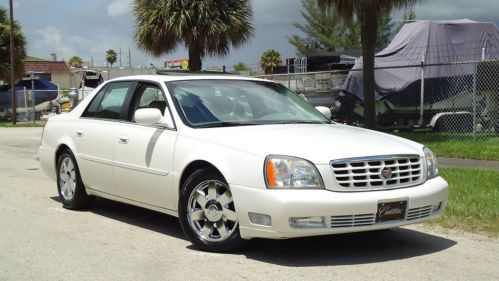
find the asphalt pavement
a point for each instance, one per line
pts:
(40, 240)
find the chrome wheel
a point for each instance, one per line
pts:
(211, 212)
(67, 178)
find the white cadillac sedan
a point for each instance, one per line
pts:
(236, 158)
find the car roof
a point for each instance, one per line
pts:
(167, 78)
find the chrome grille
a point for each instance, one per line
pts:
(417, 213)
(366, 173)
(370, 219)
(352, 220)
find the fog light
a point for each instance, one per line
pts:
(260, 219)
(307, 222)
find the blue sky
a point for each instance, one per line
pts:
(89, 28)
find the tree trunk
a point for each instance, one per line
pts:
(195, 63)
(368, 36)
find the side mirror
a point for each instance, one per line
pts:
(153, 116)
(324, 110)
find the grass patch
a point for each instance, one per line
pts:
(473, 201)
(487, 148)
(4, 124)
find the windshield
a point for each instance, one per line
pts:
(219, 102)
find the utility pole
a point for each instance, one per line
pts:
(92, 61)
(120, 57)
(12, 65)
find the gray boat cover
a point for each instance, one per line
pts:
(430, 42)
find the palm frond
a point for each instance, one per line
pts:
(20, 48)
(212, 27)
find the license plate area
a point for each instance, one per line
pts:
(390, 211)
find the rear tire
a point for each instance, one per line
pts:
(207, 213)
(69, 184)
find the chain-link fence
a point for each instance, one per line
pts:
(35, 105)
(318, 88)
(456, 100)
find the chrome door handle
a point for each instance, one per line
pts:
(123, 140)
(79, 133)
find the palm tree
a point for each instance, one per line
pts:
(205, 27)
(75, 61)
(241, 66)
(270, 59)
(20, 48)
(367, 12)
(111, 57)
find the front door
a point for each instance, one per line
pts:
(143, 156)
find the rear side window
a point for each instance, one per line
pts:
(109, 101)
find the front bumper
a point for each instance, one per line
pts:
(425, 201)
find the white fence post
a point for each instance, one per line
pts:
(475, 69)
(421, 106)
(25, 105)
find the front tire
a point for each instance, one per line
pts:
(207, 213)
(69, 184)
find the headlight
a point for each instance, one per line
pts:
(291, 172)
(431, 163)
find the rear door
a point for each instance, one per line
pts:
(96, 132)
(143, 157)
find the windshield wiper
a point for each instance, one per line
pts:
(299, 122)
(225, 124)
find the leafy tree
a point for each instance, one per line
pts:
(203, 27)
(20, 48)
(324, 30)
(241, 66)
(270, 59)
(385, 31)
(111, 57)
(409, 16)
(75, 61)
(368, 13)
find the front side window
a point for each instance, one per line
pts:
(219, 102)
(150, 93)
(108, 103)
(147, 95)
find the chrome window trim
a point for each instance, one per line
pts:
(121, 121)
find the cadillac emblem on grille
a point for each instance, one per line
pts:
(386, 173)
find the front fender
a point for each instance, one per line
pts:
(237, 167)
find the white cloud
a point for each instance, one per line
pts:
(78, 40)
(50, 35)
(52, 41)
(119, 7)
(65, 52)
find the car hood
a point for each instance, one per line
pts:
(318, 143)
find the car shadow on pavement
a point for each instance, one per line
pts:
(136, 216)
(347, 249)
(340, 249)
